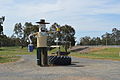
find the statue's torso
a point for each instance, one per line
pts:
(41, 39)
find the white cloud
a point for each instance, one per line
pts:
(74, 12)
(81, 7)
(4, 2)
(111, 9)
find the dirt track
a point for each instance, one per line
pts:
(86, 49)
(81, 69)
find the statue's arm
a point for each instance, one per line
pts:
(29, 37)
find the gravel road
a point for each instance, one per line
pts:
(81, 69)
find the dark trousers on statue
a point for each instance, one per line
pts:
(42, 59)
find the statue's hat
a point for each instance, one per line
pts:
(42, 21)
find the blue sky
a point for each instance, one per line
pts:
(88, 17)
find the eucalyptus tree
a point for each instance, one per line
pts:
(2, 19)
(116, 35)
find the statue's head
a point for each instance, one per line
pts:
(42, 28)
(42, 25)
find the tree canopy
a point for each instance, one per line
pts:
(62, 32)
(106, 39)
(66, 33)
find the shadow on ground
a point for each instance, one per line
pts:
(73, 64)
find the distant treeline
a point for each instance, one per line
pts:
(106, 39)
(8, 41)
(21, 32)
(67, 32)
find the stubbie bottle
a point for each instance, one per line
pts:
(30, 48)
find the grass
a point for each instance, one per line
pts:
(12, 54)
(106, 53)
(55, 50)
(14, 51)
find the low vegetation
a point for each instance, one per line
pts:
(12, 54)
(105, 53)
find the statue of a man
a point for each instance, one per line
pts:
(42, 59)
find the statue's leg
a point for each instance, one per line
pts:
(45, 56)
(42, 56)
(39, 56)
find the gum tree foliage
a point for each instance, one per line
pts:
(85, 40)
(18, 30)
(1, 29)
(95, 41)
(66, 33)
(8, 41)
(18, 33)
(116, 35)
(112, 38)
(106, 39)
(30, 28)
(2, 19)
(22, 32)
(52, 35)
